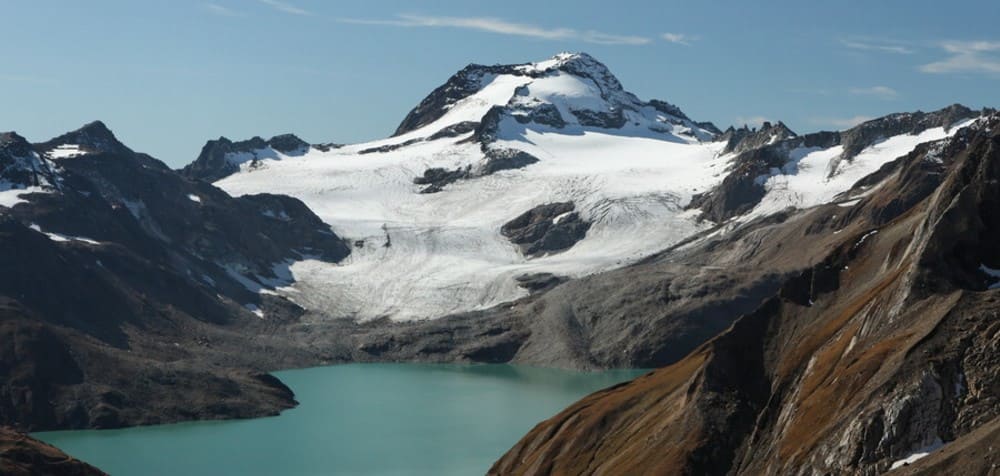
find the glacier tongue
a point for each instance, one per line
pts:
(427, 255)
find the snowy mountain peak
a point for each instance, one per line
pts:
(586, 66)
(581, 64)
(568, 90)
(557, 61)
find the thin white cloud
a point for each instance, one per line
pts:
(221, 10)
(503, 27)
(752, 121)
(600, 38)
(285, 7)
(881, 92)
(877, 46)
(982, 57)
(845, 122)
(677, 38)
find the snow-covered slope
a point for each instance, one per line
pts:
(814, 175)
(425, 255)
(630, 167)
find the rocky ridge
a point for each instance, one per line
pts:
(222, 157)
(882, 346)
(765, 152)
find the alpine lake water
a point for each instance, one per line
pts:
(357, 419)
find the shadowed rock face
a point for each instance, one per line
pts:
(546, 114)
(92, 137)
(881, 346)
(20, 167)
(222, 157)
(21, 455)
(496, 159)
(461, 85)
(437, 178)
(454, 130)
(744, 139)
(546, 228)
(128, 290)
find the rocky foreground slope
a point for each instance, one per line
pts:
(21, 455)
(883, 345)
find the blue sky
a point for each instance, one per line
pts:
(166, 76)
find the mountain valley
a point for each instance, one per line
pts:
(821, 303)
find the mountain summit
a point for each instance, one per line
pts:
(569, 89)
(547, 170)
(93, 137)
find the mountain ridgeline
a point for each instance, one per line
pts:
(533, 214)
(120, 269)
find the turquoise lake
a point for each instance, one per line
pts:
(358, 419)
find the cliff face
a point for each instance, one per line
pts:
(883, 347)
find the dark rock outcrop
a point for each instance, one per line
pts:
(668, 108)
(536, 282)
(545, 114)
(437, 178)
(287, 144)
(455, 130)
(605, 120)
(389, 147)
(498, 159)
(546, 229)
(222, 157)
(744, 139)
(22, 455)
(21, 166)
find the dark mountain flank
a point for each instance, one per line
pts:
(129, 294)
(883, 344)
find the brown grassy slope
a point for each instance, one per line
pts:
(21, 455)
